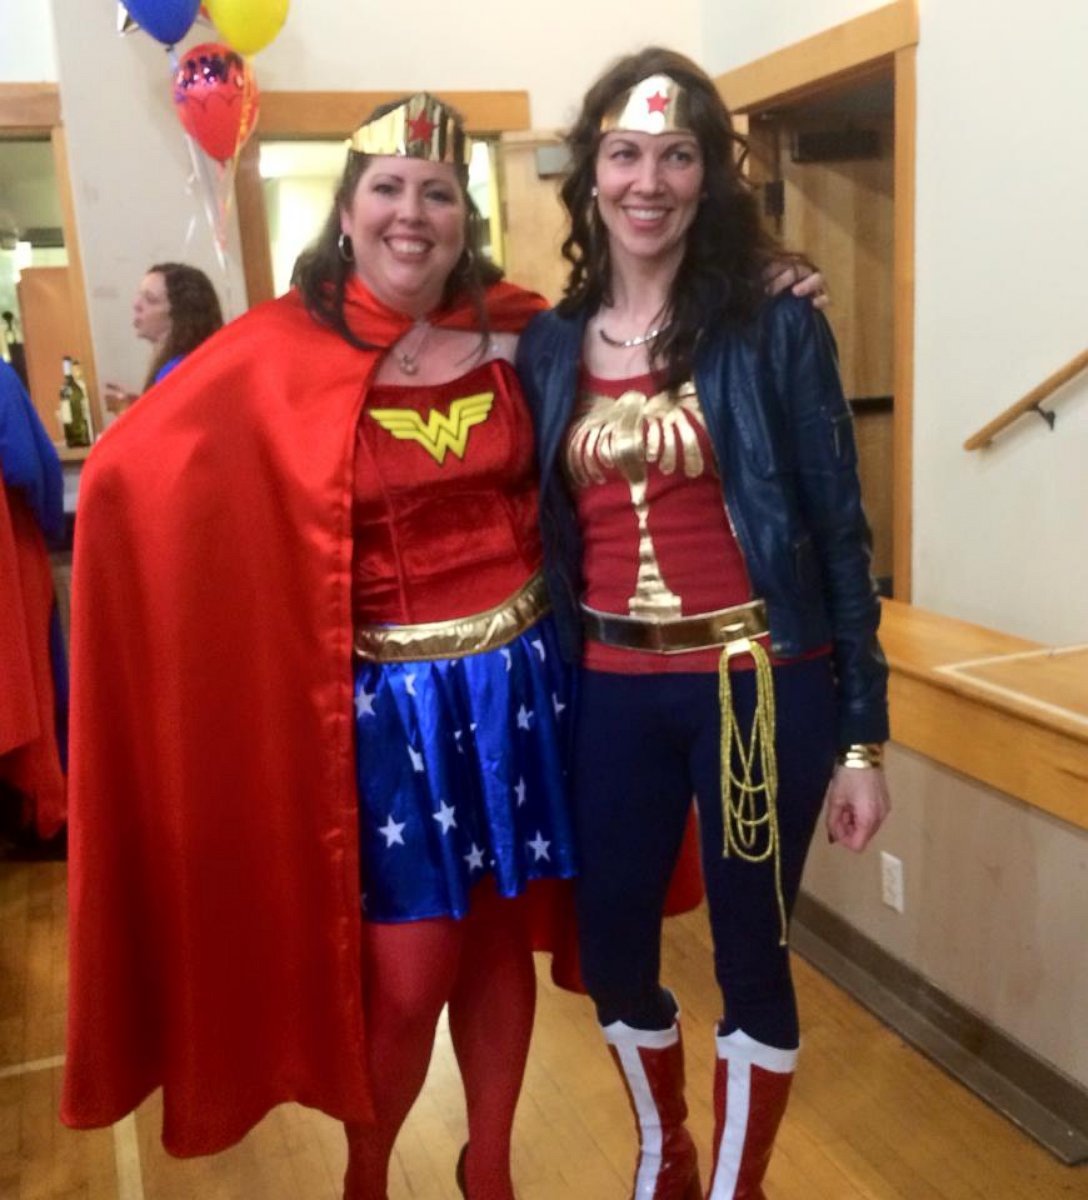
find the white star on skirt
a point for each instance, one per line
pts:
(445, 816)
(393, 832)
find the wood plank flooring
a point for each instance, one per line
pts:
(870, 1118)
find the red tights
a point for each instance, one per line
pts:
(482, 967)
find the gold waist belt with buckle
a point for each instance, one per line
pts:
(458, 637)
(677, 634)
(749, 795)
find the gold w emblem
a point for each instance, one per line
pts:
(438, 433)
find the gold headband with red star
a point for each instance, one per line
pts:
(420, 127)
(656, 104)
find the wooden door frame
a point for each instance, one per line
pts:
(287, 115)
(32, 110)
(879, 40)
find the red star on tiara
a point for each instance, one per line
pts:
(420, 128)
(657, 103)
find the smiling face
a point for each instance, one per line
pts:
(406, 222)
(151, 309)
(649, 186)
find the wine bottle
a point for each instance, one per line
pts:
(81, 383)
(73, 409)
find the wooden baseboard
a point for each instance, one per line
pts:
(1037, 1097)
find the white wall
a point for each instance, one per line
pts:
(26, 40)
(1002, 296)
(736, 32)
(552, 50)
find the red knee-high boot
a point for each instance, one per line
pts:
(751, 1089)
(652, 1065)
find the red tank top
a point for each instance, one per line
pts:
(658, 541)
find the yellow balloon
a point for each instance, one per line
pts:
(247, 25)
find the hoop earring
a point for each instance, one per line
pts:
(345, 249)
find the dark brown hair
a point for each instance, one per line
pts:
(321, 274)
(194, 313)
(721, 276)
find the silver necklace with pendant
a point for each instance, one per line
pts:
(640, 339)
(629, 343)
(408, 360)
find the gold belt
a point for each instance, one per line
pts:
(458, 637)
(678, 634)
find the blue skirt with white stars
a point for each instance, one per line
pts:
(460, 765)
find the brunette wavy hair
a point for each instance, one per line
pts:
(721, 278)
(194, 313)
(321, 274)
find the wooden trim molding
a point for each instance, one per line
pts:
(29, 107)
(811, 64)
(76, 282)
(1020, 741)
(253, 225)
(336, 114)
(906, 108)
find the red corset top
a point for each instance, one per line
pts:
(445, 498)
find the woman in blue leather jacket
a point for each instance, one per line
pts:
(708, 561)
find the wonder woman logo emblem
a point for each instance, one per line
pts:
(438, 433)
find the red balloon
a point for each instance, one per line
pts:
(216, 97)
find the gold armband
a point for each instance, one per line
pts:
(862, 754)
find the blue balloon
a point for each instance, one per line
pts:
(168, 21)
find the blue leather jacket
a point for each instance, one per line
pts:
(783, 437)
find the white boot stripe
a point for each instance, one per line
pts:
(649, 1121)
(737, 1098)
(627, 1041)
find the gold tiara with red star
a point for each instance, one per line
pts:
(419, 127)
(656, 104)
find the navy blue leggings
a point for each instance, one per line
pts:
(644, 744)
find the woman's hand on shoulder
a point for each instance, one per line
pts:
(801, 277)
(857, 803)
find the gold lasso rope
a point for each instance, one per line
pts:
(749, 808)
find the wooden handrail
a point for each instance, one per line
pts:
(1029, 403)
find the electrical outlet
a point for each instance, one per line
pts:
(891, 880)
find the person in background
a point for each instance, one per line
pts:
(175, 309)
(708, 563)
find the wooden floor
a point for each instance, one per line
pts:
(870, 1118)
